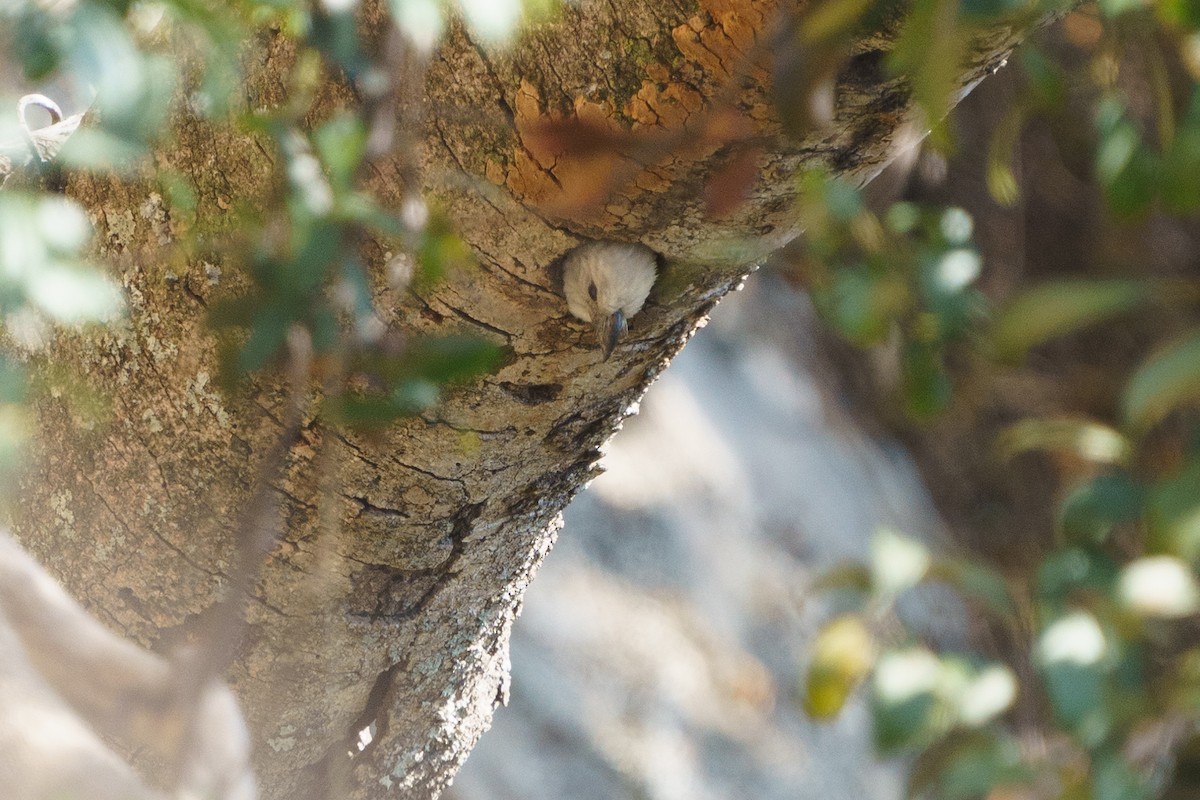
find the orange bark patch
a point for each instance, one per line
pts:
(591, 162)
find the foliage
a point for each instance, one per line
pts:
(1099, 666)
(302, 260)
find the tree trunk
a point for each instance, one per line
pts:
(391, 596)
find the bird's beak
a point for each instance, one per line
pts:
(610, 330)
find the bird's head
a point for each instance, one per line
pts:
(606, 283)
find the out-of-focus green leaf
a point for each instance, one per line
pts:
(1073, 570)
(976, 582)
(832, 19)
(1173, 514)
(1055, 309)
(1086, 439)
(415, 395)
(1113, 778)
(1168, 380)
(842, 655)
(927, 389)
(1073, 655)
(1134, 188)
(493, 21)
(341, 143)
(336, 34)
(863, 304)
(851, 576)
(1001, 182)
(450, 359)
(267, 335)
(1092, 510)
(904, 698)
(930, 50)
(37, 43)
(968, 766)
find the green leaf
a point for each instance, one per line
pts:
(1076, 569)
(267, 335)
(1088, 440)
(1073, 654)
(1113, 778)
(904, 699)
(450, 359)
(1092, 510)
(1055, 309)
(930, 51)
(1173, 514)
(1169, 380)
(927, 389)
(342, 142)
(976, 582)
(967, 766)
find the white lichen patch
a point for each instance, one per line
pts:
(121, 228)
(60, 503)
(152, 422)
(201, 397)
(154, 211)
(284, 741)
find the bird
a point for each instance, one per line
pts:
(606, 283)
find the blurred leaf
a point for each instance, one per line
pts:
(1114, 779)
(968, 766)
(897, 562)
(731, 185)
(976, 582)
(862, 305)
(335, 33)
(422, 21)
(1058, 308)
(342, 143)
(72, 295)
(854, 577)
(450, 359)
(803, 85)
(1173, 514)
(1168, 380)
(493, 21)
(414, 396)
(1001, 182)
(1134, 188)
(831, 20)
(267, 335)
(36, 41)
(842, 655)
(1087, 440)
(1072, 653)
(1067, 572)
(904, 698)
(1159, 586)
(927, 389)
(929, 51)
(1092, 510)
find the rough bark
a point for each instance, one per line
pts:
(391, 596)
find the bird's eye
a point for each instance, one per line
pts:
(592, 290)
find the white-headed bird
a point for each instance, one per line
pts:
(606, 283)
